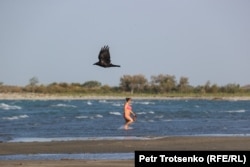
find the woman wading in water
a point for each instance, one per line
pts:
(127, 113)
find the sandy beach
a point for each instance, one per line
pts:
(114, 146)
(37, 96)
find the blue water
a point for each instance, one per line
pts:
(96, 156)
(28, 120)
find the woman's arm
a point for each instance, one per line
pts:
(132, 113)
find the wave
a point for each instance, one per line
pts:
(53, 139)
(115, 113)
(9, 107)
(81, 117)
(91, 117)
(151, 112)
(145, 102)
(117, 104)
(89, 103)
(102, 101)
(16, 117)
(167, 120)
(98, 116)
(144, 113)
(64, 105)
(159, 116)
(235, 111)
(59, 139)
(141, 113)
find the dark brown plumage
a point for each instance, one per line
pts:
(104, 58)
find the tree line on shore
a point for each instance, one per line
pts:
(139, 84)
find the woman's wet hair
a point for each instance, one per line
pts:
(127, 99)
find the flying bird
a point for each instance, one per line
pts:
(104, 58)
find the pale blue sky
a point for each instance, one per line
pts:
(59, 40)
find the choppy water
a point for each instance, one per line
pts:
(27, 120)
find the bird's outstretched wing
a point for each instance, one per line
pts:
(104, 58)
(104, 55)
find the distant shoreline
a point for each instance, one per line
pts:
(37, 96)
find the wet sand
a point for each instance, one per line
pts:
(114, 146)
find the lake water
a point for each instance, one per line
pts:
(62, 120)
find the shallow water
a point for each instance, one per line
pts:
(86, 156)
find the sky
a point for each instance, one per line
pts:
(59, 40)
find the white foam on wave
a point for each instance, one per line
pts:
(116, 104)
(115, 113)
(98, 116)
(141, 113)
(145, 102)
(23, 116)
(89, 103)
(64, 105)
(16, 117)
(235, 111)
(9, 107)
(81, 117)
(151, 112)
(91, 117)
